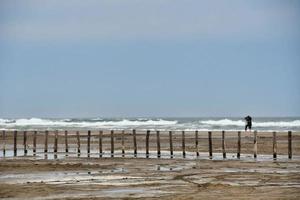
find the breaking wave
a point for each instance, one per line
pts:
(228, 122)
(97, 123)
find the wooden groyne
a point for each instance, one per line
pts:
(144, 142)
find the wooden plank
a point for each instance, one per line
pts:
(223, 144)
(46, 142)
(197, 142)
(34, 142)
(78, 143)
(239, 145)
(25, 142)
(274, 145)
(255, 144)
(210, 145)
(158, 143)
(4, 142)
(171, 144)
(89, 143)
(55, 141)
(66, 142)
(147, 143)
(134, 142)
(100, 143)
(112, 146)
(183, 143)
(123, 146)
(290, 144)
(15, 143)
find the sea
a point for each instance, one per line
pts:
(187, 124)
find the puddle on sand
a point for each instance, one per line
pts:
(172, 167)
(260, 170)
(141, 154)
(80, 178)
(137, 192)
(62, 176)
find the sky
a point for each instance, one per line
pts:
(158, 58)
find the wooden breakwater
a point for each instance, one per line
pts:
(146, 141)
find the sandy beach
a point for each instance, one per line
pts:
(72, 177)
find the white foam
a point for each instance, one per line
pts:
(228, 122)
(224, 122)
(68, 123)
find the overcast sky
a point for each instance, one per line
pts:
(131, 58)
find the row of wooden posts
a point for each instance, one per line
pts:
(147, 143)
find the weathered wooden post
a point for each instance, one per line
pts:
(239, 145)
(197, 141)
(100, 143)
(255, 144)
(4, 142)
(123, 146)
(15, 143)
(78, 143)
(55, 141)
(34, 142)
(223, 144)
(89, 143)
(183, 144)
(171, 144)
(112, 146)
(290, 144)
(210, 145)
(66, 141)
(25, 142)
(274, 145)
(134, 142)
(158, 143)
(46, 142)
(147, 143)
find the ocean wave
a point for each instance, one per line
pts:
(228, 122)
(70, 123)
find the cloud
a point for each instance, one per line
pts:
(141, 19)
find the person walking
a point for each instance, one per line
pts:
(248, 123)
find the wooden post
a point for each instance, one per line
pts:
(210, 145)
(183, 144)
(66, 141)
(34, 142)
(223, 144)
(197, 141)
(158, 143)
(255, 144)
(274, 145)
(134, 142)
(78, 143)
(55, 141)
(239, 145)
(100, 143)
(147, 143)
(171, 144)
(89, 143)
(112, 143)
(123, 146)
(25, 142)
(46, 142)
(290, 144)
(15, 143)
(3, 138)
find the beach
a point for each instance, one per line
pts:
(128, 178)
(137, 177)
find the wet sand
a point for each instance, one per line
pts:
(72, 177)
(114, 178)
